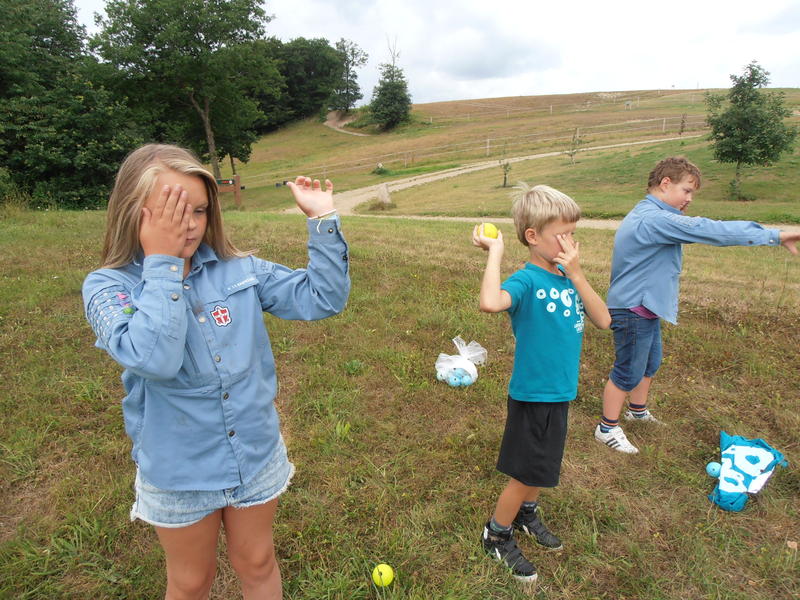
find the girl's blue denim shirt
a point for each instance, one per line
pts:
(199, 370)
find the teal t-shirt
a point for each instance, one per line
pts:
(547, 318)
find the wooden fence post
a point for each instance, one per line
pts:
(234, 185)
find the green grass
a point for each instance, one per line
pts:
(393, 466)
(607, 183)
(446, 133)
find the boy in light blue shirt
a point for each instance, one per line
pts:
(645, 276)
(546, 300)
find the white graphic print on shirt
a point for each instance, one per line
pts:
(565, 296)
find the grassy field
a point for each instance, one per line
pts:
(447, 134)
(392, 465)
(607, 183)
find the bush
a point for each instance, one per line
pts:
(8, 190)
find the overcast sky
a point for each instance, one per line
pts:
(462, 49)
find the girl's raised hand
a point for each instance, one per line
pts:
(310, 197)
(165, 222)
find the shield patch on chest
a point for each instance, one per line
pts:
(222, 316)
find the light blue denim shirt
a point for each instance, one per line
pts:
(199, 370)
(648, 253)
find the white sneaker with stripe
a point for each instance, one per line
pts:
(615, 438)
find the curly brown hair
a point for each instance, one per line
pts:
(676, 168)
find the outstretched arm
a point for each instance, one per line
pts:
(492, 298)
(311, 198)
(596, 309)
(789, 240)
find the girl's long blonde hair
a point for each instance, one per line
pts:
(134, 184)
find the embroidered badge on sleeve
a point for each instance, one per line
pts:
(106, 308)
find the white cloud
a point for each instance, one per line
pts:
(459, 49)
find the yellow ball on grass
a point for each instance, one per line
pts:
(382, 575)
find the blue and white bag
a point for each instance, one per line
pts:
(745, 467)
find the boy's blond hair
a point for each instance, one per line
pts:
(674, 167)
(535, 207)
(134, 184)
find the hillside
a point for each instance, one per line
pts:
(444, 135)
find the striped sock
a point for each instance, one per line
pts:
(607, 424)
(638, 410)
(497, 528)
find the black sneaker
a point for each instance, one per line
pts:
(503, 548)
(528, 520)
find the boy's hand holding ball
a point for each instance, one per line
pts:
(486, 235)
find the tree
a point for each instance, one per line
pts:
(189, 54)
(61, 136)
(346, 93)
(747, 125)
(64, 145)
(391, 101)
(574, 145)
(312, 69)
(40, 39)
(506, 166)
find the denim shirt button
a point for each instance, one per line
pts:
(175, 296)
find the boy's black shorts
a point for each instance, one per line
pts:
(533, 442)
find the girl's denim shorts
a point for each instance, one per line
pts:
(175, 508)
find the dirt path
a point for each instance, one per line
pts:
(337, 119)
(346, 202)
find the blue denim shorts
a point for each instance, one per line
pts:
(175, 508)
(637, 343)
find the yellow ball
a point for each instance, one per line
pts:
(383, 575)
(489, 230)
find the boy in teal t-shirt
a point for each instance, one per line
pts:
(547, 301)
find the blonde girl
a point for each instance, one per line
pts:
(181, 310)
